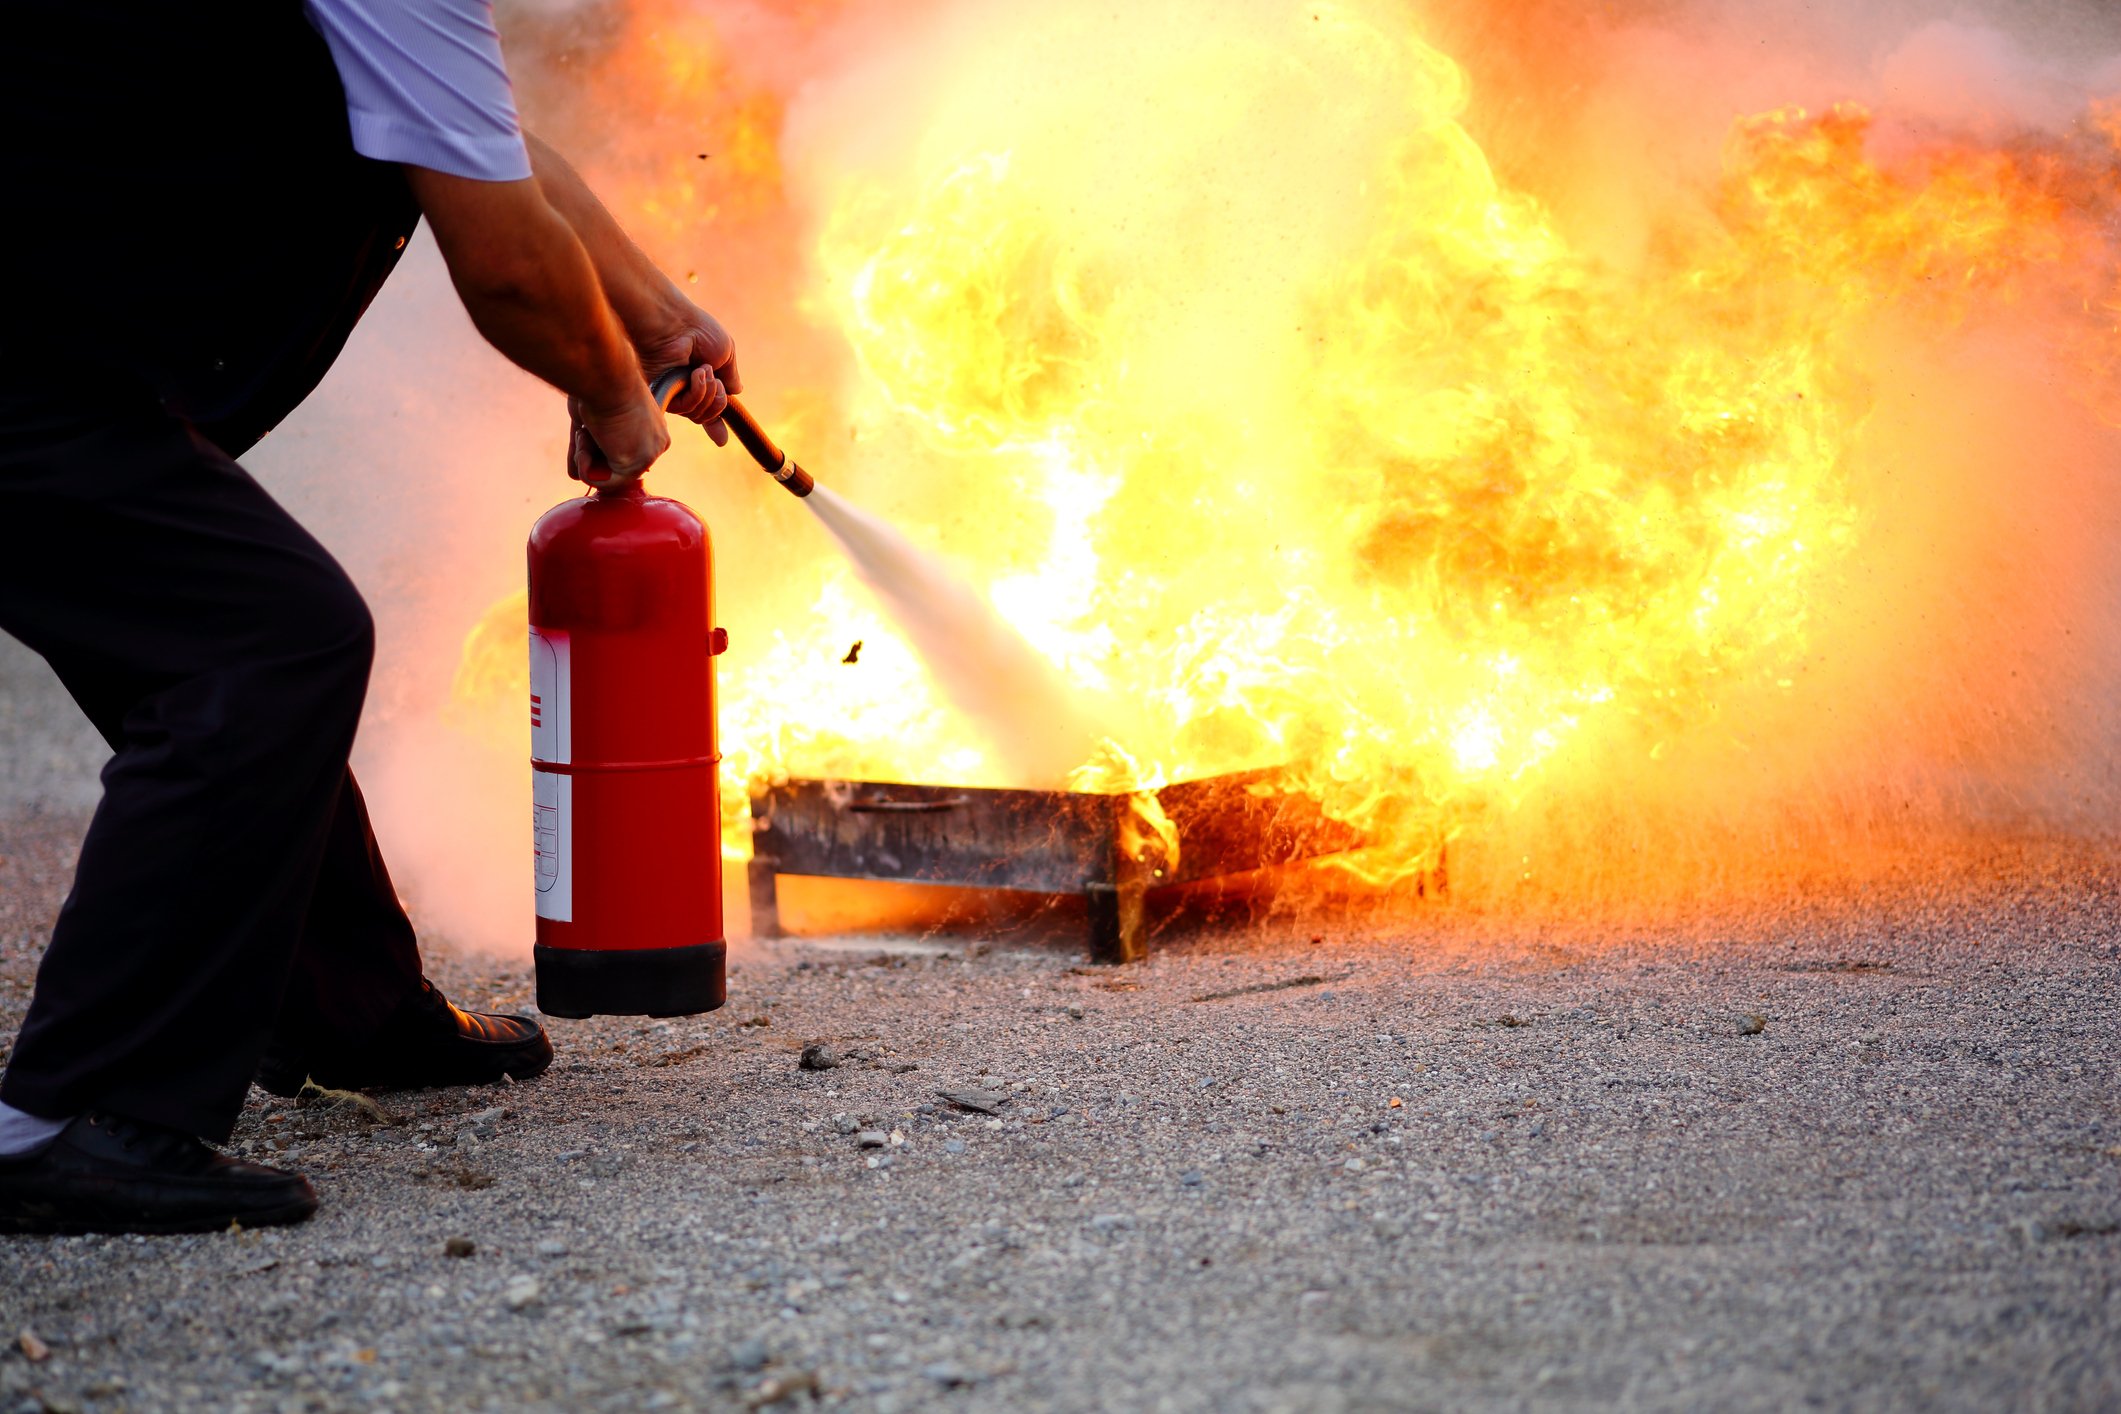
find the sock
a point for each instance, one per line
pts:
(25, 1133)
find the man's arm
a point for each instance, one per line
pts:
(532, 290)
(667, 329)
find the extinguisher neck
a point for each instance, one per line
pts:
(631, 491)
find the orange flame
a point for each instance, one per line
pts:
(1278, 419)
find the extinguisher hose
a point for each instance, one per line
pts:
(777, 463)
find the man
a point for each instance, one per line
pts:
(204, 198)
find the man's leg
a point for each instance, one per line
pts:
(228, 655)
(359, 960)
(357, 1013)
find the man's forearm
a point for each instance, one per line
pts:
(640, 294)
(529, 285)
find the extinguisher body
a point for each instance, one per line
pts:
(624, 758)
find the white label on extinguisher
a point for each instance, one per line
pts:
(552, 814)
(551, 707)
(552, 794)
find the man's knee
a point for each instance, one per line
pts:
(323, 635)
(345, 630)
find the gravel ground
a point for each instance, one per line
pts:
(1863, 1155)
(1865, 1158)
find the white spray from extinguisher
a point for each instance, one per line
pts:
(1042, 724)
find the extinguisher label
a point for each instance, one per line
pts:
(552, 795)
(552, 813)
(551, 707)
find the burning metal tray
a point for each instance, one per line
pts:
(1111, 849)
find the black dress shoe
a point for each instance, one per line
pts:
(428, 1043)
(105, 1173)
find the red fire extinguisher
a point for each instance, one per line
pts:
(624, 756)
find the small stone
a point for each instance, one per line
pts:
(846, 1124)
(953, 1146)
(34, 1349)
(1112, 1222)
(1191, 1178)
(749, 1356)
(459, 1247)
(551, 1247)
(817, 1056)
(872, 1138)
(521, 1293)
(1752, 1025)
(1075, 1013)
(1506, 1019)
(1395, 1103)
(782, 1388)
(1353, 1166)
(949, 1374)
(984, 1102)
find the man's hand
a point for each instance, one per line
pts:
(612, 447)
(682, 335)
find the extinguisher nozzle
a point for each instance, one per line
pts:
(777, 463)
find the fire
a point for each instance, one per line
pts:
(1267, 411)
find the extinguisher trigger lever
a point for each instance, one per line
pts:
(717, 642)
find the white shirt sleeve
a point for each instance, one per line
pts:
(425, 84)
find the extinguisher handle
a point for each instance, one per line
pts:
(666, 385)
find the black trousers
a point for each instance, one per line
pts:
(229, 887)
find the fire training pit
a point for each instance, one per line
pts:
(1112, 849)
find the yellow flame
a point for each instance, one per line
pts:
(1257, 401)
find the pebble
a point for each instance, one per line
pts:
(949, 1374)
(459, 1247)
(34, 1349)
(872, 1138)
(819, 1057)
(551, 1247)
(1193, 1178)
(984, 1102)
(1752, 1025)
(846, 1124)
(749, 1356)
(521, 1293)
(783, 1388)
(953, 1146)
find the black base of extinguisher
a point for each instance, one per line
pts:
(580, 982)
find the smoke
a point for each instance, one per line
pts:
(1970, 683)
(1042, 725)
